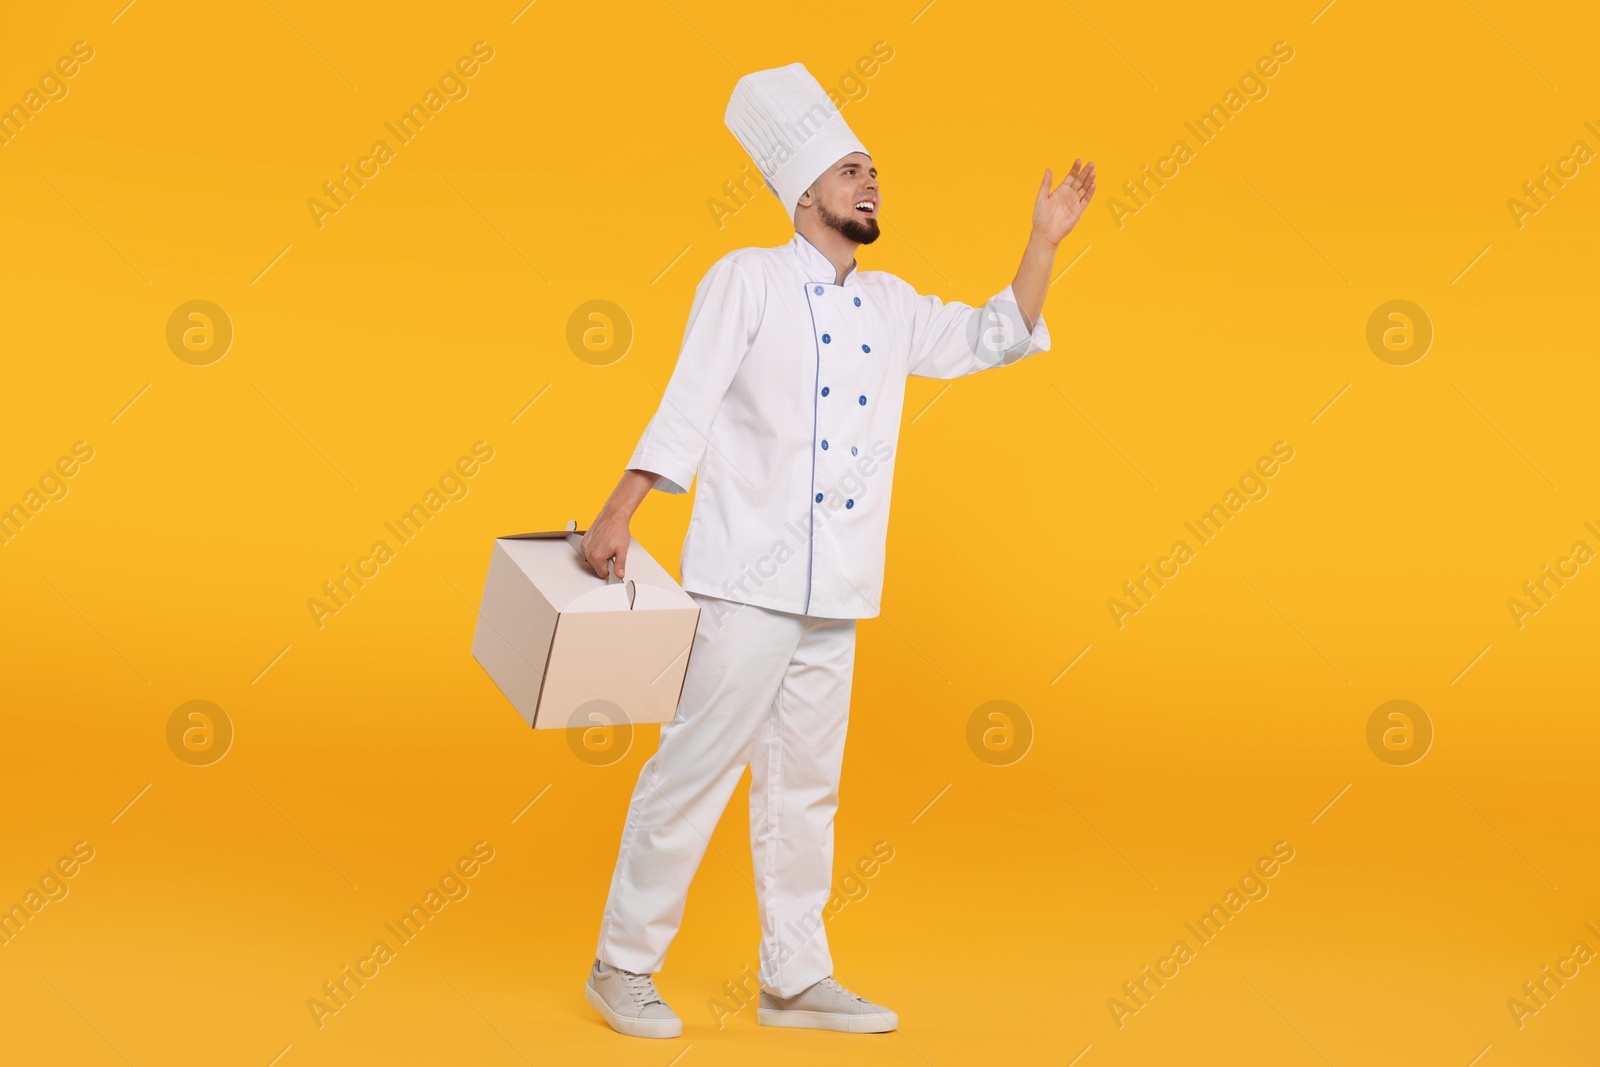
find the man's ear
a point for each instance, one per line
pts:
(807, 198)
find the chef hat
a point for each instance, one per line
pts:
(790, 127)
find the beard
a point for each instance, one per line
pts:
(861, 231)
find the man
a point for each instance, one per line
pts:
(786, 400)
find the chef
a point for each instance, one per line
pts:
(786, 402)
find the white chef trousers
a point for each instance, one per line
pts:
(767, 688)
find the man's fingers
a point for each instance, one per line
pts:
(1070, 182)
(622, 561)
(586, 549)
(1081, 182)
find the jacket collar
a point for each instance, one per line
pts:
(815, 266)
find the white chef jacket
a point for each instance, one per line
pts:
(786, 399)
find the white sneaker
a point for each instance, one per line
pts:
(826, 1005)
(630, 1003)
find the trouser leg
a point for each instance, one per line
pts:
(794, 792)
(738, 660)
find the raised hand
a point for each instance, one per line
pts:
(1056, 213)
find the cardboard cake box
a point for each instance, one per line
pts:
(557, 639)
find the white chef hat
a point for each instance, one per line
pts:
(790, 127)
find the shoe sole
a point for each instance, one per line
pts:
(821, 1020)
(655, 1028)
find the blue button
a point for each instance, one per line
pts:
(849, 503)
(824, 390)
(862, 400)
(818, 290)
(824, 445)
(854, 450)
(826, 339)
(858, 301)
(819, 498)
(865, 348)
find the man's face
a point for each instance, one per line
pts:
(847, 198)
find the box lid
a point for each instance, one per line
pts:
(552, 560)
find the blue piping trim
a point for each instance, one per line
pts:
(811, 523)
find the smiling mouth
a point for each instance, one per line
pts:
(866, 207)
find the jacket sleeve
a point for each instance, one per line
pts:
(722, 326)
(949, 340)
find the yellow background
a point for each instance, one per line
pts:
(429, 312)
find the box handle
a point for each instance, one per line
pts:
(612, 579)
(576, 541)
